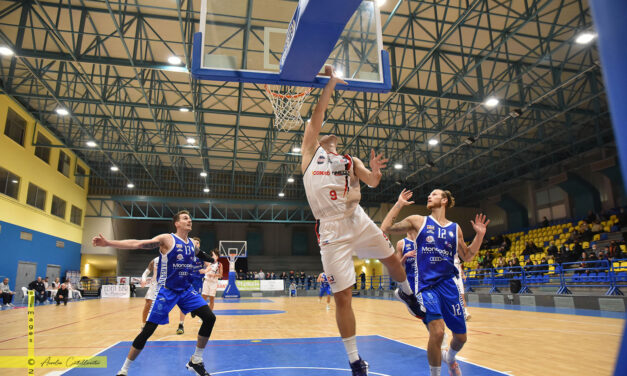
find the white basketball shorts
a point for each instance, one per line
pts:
(152, 292)
(340, 239)
(209, 287)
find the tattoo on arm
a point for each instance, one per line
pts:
(151, 245)
(402, 226)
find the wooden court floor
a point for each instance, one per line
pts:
(516, 342)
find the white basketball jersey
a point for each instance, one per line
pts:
(155, 264)
(328, 181)
(212, 270)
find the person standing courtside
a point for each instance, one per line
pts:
(343, 228)
(437, 242)
(174, 287)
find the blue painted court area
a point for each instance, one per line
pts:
(276, 357)
(246, 312)
(244, 301)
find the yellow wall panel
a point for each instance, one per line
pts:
(21, 161)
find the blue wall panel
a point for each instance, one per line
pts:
(41, 250)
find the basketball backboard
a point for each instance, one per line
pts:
(244, 40)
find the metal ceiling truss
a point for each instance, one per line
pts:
(106, 63)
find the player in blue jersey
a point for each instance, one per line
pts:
(196, 278)
(406, 249)
(438, 241)
(325, 289)
(173, 287)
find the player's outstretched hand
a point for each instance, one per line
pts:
(332, 74)
(377, 162)
(404, 197)
(99, 241)
(480, 223)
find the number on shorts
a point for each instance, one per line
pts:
(457, 309)
(333, 195)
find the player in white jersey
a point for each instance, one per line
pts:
(213, 272)
(459, 281)
(343, 228)
(152, 290)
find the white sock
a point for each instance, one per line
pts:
(450, 356)
(181, 322)
(197, 357)
(350, 343)
(435, 371)
(127, 363)
(405, 287)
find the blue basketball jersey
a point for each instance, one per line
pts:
(436, 248)
(410, 262)
(173, 270)
(197, 264)
(325, 281)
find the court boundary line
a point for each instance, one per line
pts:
(463, 360)
(314, 368)
(59, 373)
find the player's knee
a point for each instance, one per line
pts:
(142, 337)
(436, 332)
(460, 338)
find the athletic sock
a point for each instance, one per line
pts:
(450, 356)
(181, 322)
(127, 363)
(197, 356)
(350, 343)
(435, 371)
(405, 287)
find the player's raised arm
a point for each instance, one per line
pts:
(467, 253)
(412, 222)
(163, 241)
(314, 125)
(372, 178)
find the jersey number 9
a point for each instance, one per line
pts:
(333, 195)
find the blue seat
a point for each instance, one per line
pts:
(545, 279)
(615, 228)
(604, 236)
(603, 277)
(555, 237)
(621, 277)
(591, 277)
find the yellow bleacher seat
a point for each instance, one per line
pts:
(585, 245)
(596, 237)
(606, 229)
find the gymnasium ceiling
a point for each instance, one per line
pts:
(107, 63)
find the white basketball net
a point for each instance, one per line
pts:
(287, 102)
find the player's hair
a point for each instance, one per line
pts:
(196, 238)
(216, 251)
(449, 197)
(177, 215)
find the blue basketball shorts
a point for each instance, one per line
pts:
(444, 301)
(187, 300)
(325, 291)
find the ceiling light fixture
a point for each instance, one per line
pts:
(174, 60)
